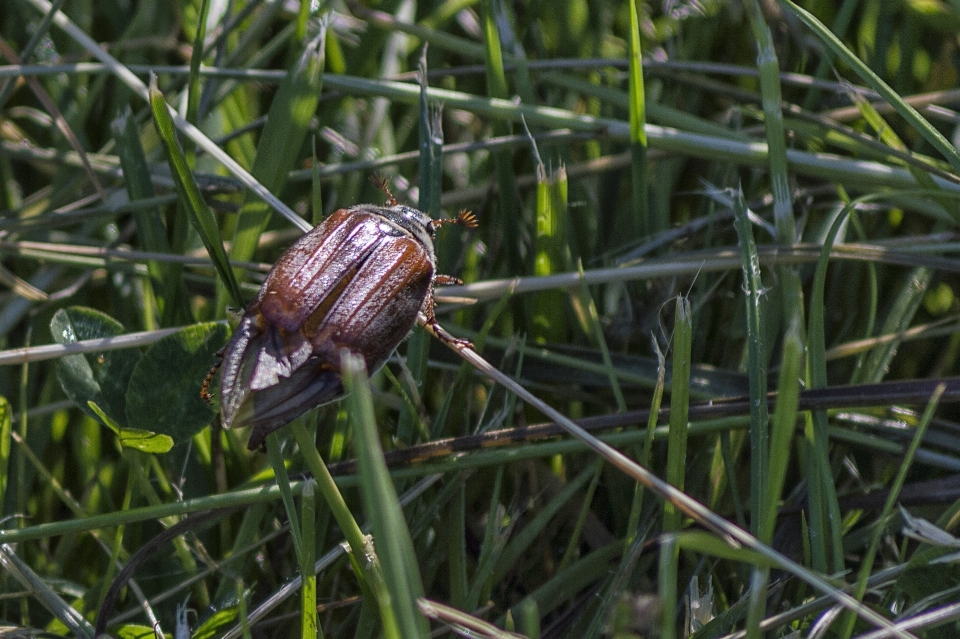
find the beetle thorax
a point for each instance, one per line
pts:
(407, 221)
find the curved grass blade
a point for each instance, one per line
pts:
(929, 133)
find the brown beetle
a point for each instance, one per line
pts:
(360, 280)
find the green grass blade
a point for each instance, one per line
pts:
(783, 428)
(200, 215)
(430, 138)
(679, 407)
(193, 81)
(309, 628)
(773, 124)
(755, 308)
(901, 314)
(392, 537)
(548, 322)
(917, 121)
(166, 277)
(676, 459)
(509, 213)
(645, 223)
(286, 494)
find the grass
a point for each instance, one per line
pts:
(678, 203)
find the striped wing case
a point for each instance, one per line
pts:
(356, 281)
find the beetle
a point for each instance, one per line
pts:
(359, 280)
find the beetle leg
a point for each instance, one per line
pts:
(428, 320)
(205, 394)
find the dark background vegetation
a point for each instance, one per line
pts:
(747, 113)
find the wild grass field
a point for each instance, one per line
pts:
(718, 236)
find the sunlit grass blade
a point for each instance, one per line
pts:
(362, 556)
(200, 214)
(309, 628)
(644, 222)
(548, 321)
(391, 536)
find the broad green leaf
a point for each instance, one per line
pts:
(99, 377)
(164, 391)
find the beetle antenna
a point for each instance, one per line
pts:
(464, 218)
(380, 181)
